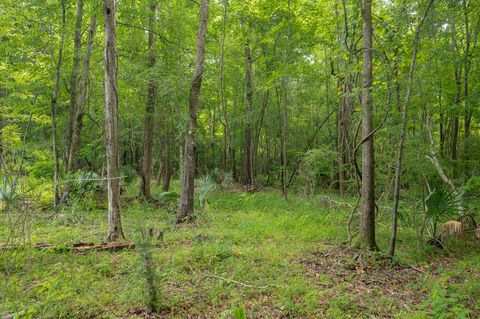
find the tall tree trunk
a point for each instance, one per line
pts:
(285, 108)
(249, 180)
(258, 125)
(53, 111)
(2, 162)
(441, 121)
(367, 221)
(115, 231)
(149, 112)
(167, 171)
(284, 139)
(226, 132)
(345, 109)
(81, 99)
(74, 79)
(398, 168)
(186, 206)
(466, 65)
(455, 128)
(345, 106)
(79, 108)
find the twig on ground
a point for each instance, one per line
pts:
(350, 220)
(234, 281)
(415, 268)
(339, 203)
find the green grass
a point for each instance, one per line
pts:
(257, 239)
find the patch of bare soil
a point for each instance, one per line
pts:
(371, 283)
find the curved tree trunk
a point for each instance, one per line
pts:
(185, 207)
(398, 168)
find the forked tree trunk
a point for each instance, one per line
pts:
(53, 111)
(81, 99)
(398, 168)
(78, 108)
(149, 113)
(186, 204)
(74, 78)
(367, 220)
(111, 122)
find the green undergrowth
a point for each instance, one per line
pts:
(243, 257)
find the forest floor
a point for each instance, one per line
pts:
(251, 253)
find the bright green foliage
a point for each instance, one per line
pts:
(256, 239)
(306, 74)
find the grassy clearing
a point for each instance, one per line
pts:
(287, 257)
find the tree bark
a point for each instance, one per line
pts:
(53, 111)
(285, 110)
(455, 128)
(74, 79)
(165, 168)
(398, 168)
(76, 123)
(466, 65)
(226, 131)
(115, 231)
(149, 112)
(367, 221)
(81, 99)
(167, 171)
(186, 204)
(2, 160)
(345, 83)
(249, 179)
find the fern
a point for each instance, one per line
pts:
(206, 185)
(441, 205)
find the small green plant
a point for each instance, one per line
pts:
(148, 270)
(316, 167)
(168, 199)
(240, 313)
(445, 303)
(206, 185)
(440, 205)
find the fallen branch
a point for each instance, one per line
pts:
(415, 268)
(434, 159)
(76, 247)
(342, 204)
(234, 281)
